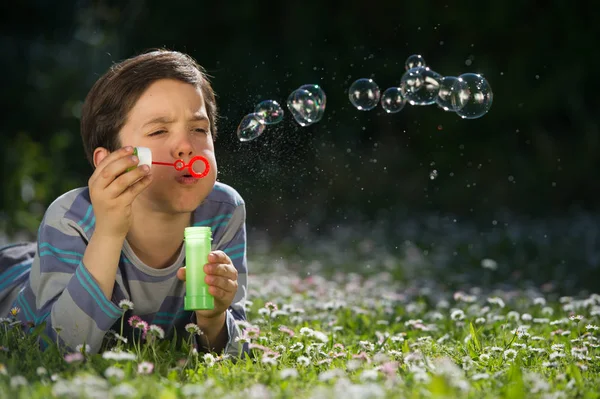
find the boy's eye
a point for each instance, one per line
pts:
(156, 133)
(201, 130)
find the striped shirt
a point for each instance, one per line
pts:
(48, 281)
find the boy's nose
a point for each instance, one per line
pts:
(184, 149)
(183, 153)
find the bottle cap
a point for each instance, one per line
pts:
(144, 154)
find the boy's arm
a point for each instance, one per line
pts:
(72, 286)
(63, 292)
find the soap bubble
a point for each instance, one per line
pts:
(392, 100)
(303, 107)
(471, 96)
(320, 99)
(420, 85)
(250, 127)
(364, 94)
(270, 112)
(414, 61)
(444, 97)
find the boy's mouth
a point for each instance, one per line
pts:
(186, 179)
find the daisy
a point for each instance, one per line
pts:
(303, 360)
(73, 357)
(156, 331)
(209, 359)
(125, 305)
(145, 368)
(193, 329)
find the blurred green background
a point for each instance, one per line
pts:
(533, 157)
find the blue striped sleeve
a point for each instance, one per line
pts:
(61, 291)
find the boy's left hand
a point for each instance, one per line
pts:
(221, 278)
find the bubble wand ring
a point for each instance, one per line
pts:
(180, 165)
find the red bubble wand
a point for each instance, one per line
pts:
(180, 165)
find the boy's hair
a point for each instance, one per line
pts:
(109, 101)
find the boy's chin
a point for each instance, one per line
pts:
(186, 206)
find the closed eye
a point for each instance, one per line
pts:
(201, 130)
(157, 133)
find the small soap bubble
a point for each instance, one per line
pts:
(303, 107)
(420, 85)
(444, 97)
(250, 127)
(269, 111)
(364, 94)
(320, 99)
(392, 100)
(433, 174)
(414, 61)
(471, 96)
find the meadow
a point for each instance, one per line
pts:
(348, 317)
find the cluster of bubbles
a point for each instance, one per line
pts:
(469, 95)
(306, 104)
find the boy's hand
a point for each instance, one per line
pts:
(221, 277)
(112, 191)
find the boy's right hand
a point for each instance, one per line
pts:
(113, 190)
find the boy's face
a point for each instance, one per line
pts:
(170, 118)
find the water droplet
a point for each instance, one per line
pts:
(471, 96)
(420, 85)
(250, 127)
(364, 94)
(303, 106)
(433, 174)
(392, 100)
(269, 111)
(414, 61)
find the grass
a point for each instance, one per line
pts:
(389, 328)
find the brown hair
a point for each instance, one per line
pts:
(109, 101)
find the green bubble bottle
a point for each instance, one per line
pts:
(197, 247)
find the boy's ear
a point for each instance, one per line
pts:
(99, 154)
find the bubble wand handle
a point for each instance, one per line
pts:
(197, 247)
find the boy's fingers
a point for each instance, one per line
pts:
(136, 188)
(217, 292)
(222, 269)
(181, 273)
(221, 282)
(127, 180)
(104, 172)
(218, 257)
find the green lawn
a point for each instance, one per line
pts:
(346, 335)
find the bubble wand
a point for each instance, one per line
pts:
(145, 156)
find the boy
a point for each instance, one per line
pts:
(121, 237)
